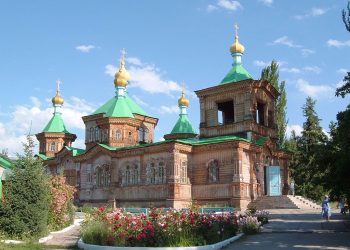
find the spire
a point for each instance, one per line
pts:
(238, 72)
(57, 100)
(183, 101)
(122, 76)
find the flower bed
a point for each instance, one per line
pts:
(159, 228)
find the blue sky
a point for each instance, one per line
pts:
(167, 43)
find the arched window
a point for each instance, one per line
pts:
(127, 175)
(103, 176)
(136, 175)
(143, 134)
(213, 171)
(53, 146)
(92, 134)
(118, 135)
(130, 137)
(161, 173)
(151, 173)
(97, 134)
(105, 135)
(99, 172)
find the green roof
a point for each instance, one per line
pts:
(183, 126)
(75, 151)
(211, 140)
(44, 157)
(120, 107)
(5, 163)
(236, 74)
(56, 124)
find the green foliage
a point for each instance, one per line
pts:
(95, 232)
(346, 17)
(24, 211)
(345, 89)
(306, 165)
(271, 74)
(61, 212)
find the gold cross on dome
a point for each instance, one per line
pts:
(58, 85)
(122, 59)
(236, 29)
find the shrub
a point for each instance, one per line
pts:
(249, 225)
(24, 211)
(61, 210)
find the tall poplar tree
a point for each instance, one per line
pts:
(271, 74)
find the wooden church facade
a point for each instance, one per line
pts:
(231, 161)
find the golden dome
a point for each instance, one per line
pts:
(183, 101)
(236, 47)
(122, 76)
(57, 99)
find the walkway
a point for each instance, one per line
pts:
(65, 240)
(299, 229)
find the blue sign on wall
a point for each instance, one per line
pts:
(273, 181)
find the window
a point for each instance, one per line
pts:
(91, 134)
(103, 176)
(260, 115)
(131, 175)
(105, 135)
(97, 134)
(226, 113)
(143, 134)
(183, 173)
(118, 135)
(213, 171)
(130, 137)
(156, 174)
(53, 146)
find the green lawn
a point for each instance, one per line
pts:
(30, 246)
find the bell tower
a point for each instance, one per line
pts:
(55, 135)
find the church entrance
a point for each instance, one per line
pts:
(273, 181)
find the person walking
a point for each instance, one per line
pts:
(292, 188)
(341, 205)
(326, 208)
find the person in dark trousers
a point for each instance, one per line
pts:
(341, 205)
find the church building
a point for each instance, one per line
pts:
(230, 160)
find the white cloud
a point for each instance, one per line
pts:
(134, 61)
(314, 12)
(229, 4)
(313, 69)
(296, 127)
(266, 2)
(148, 78)
(111, 70)
(139, 101)
(211, 8)
(337, 43)
(342, 71)
(314, 90)
(291, 70)
(284, 40)
(32, 119)
(85, 48)
(261, 64)
(169, 109)
(307, 52)
(318, 12)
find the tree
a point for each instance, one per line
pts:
(345, 89)
(346, 17)
(306, 167)
(24, 211)
(271, 74)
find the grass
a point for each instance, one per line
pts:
(30, 246)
